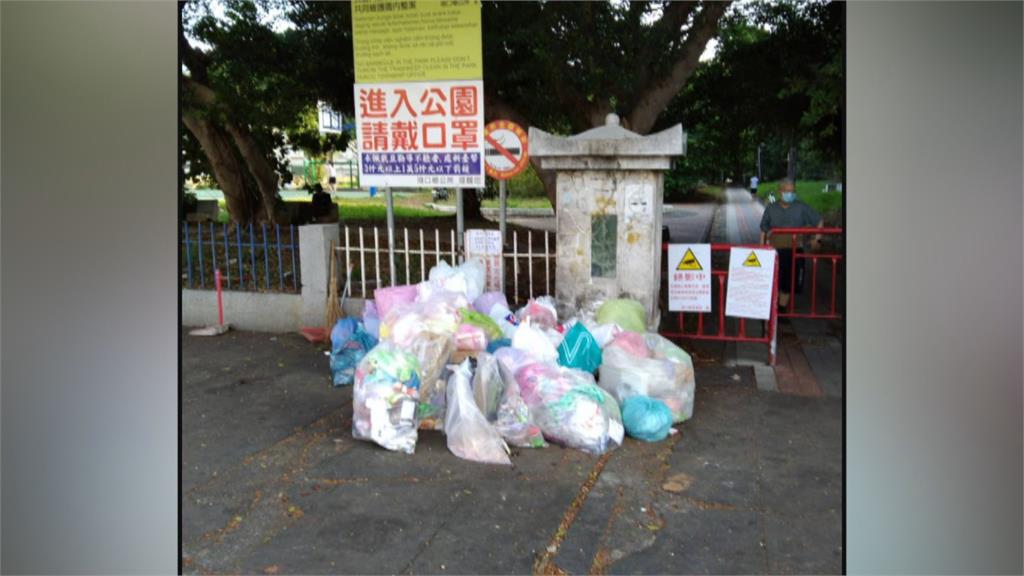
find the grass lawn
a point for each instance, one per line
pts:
(513, 202)
(829, 205)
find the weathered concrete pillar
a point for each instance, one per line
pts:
(314, 253)
(608, 212)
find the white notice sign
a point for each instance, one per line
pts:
(485, 246)
(689, 277)
(749, 290)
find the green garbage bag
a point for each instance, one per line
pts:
(628, 314)
(483, 321)
(579, 349)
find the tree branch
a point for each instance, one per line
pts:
(645, 113)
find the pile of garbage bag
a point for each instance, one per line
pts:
(445, 355)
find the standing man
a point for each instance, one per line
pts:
(788, 212)
(753, 185)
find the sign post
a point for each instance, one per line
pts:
(391, 233)
(505, 156)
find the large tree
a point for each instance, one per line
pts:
(564, 66)
(561, 66)
(255, 88)
(776, 78)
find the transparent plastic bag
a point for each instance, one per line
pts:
(349, 343)
(541, 312)
(385, 398)
(371, 319)
(469, 435)
(569, 408)
(666, 374)
(488, 385)
(489, 300)
(438, 313)
(514, 422)
(389, 297)
(470, 338)
(466, 278)
(534, 342)
(433, 352)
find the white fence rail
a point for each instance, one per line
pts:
(529, 261)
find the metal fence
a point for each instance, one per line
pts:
(820, 300)
(258, 258)
(715, 325)
(529, 261)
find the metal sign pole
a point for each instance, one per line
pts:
(503, 210)
(460, 224)
(391, 233)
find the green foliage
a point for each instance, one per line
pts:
(270, 79)
(776, 79)
(828, 204)
(526, 185)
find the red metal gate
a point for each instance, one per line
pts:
(721, 330)
(811, 309)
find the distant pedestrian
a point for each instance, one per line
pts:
(332, 177)
(788, 212)
(753, 185)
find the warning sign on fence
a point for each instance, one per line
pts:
(485, 246)
(689, 277)
(749, 290)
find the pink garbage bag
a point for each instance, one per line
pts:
(394, 295)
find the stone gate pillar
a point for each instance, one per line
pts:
(610, 184)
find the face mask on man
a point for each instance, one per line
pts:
(788, 197)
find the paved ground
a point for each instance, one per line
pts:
(273, 482)
(810, 354)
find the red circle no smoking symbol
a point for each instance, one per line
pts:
(505, 149)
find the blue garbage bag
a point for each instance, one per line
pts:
(496, 344)
(349, 343)
(646, 418)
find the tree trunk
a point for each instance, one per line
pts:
(261, 170)
(643, 116)
(243, 202)
(791, 163)
(471, 205)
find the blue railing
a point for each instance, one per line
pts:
(254, 257)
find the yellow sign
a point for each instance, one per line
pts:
(416, 40)
(689, 262)
(752, 261)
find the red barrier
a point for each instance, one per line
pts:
(797, 235)
(722, 334)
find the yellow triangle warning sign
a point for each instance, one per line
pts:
(752, 260)
(689, 262)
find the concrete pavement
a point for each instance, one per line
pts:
(273, 482)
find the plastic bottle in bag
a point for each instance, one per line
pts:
(385, 398)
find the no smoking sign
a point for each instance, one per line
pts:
(505, 149)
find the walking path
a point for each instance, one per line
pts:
(809, 356)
